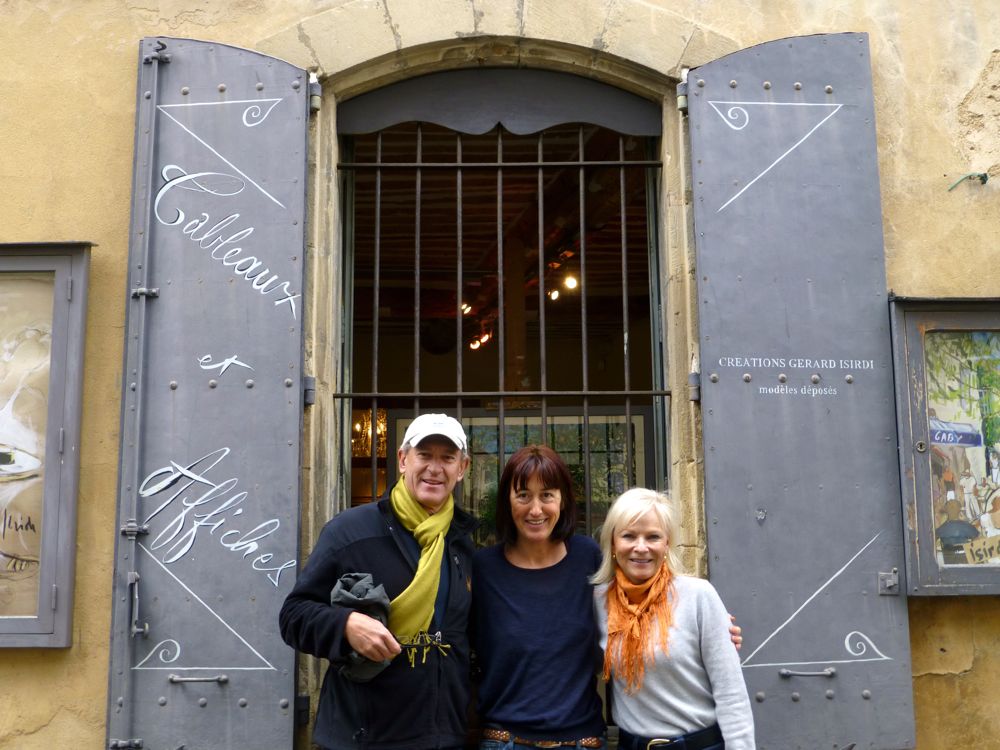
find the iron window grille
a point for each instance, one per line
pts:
(457, 287)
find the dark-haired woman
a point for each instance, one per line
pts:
(533, 620)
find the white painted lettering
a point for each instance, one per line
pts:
(224, 185)
(180, 533)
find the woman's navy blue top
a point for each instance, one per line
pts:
(535, 637)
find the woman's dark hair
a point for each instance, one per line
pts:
(542, 462)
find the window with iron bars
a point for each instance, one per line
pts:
(512, 282)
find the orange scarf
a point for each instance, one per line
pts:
(635, 612)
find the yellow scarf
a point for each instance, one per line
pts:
(633, 611)
(410, 613)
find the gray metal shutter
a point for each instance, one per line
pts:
(802, 488)
(212, 402)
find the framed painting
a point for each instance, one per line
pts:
(42, 303)
(947, 362)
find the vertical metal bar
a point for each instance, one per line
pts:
(629, 468)
(416, 275)
(541, 289)
(141, 301)
(657, 328)
(459, 320)
(376, 294)
(587, 482)
(500, 300)
(373, 443)
(345, 375)
(130, 486)
(460, 313)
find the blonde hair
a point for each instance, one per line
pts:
(626, 510)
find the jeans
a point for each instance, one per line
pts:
(511, 745)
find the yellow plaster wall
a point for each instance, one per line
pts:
(67, 86)
(67, 104)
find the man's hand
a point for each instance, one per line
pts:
(370, 638)
(735, 633)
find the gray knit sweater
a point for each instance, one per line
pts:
(698, 684)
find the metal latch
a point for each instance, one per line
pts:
(888, 583)
(135, 628)
(125, 744)
(141, 291)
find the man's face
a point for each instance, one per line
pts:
(431, 469)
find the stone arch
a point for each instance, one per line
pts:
(360, 45)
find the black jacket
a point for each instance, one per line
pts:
(403, 708)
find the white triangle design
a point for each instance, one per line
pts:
(737, 117)
(163, 648)
(253, 116)
(857, 647)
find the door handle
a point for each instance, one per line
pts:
(222, 679)
(828, 672)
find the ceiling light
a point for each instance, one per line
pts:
(554, 295)
(474, 344)
(570, 282)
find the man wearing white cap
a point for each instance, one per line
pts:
(416, 545)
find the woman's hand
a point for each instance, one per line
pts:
(735, 633)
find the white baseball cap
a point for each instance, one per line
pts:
(426, 425)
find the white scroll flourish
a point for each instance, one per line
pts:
(859, 646)
(254, 115)
(163, 651)
(736, 117)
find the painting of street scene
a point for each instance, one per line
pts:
(25, 348)
(963, 410)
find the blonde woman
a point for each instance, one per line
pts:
(671, 669)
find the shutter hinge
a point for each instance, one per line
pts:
(301, 710)
(308, 390)
(62, 439)
(315, 93)
(141, 291)
(55, 596)
(131, 529)
(134, 744)
(888, 583)
(69, 289)
(682, 97)
(158, 54)
(694, 387)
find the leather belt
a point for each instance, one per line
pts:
(697, 740)
(502, 735)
